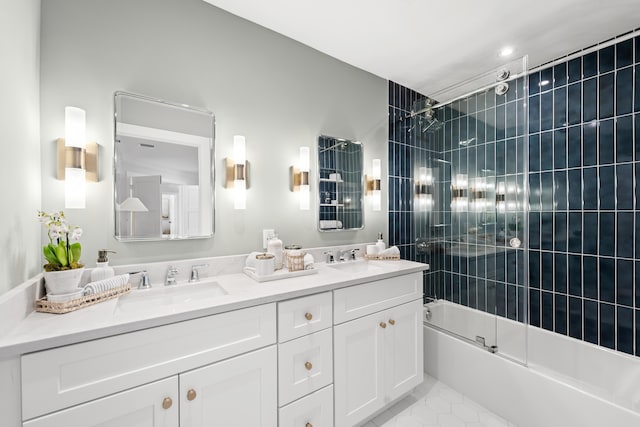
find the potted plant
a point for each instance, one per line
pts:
(63, 270)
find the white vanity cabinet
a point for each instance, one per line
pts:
(378, 346)
(212, 358)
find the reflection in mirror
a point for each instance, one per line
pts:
(340, 184)
(163, 169)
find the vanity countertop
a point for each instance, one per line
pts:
(39, 331)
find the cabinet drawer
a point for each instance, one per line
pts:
(315, 409)
(361, 300)
(65, 376)
(304, 365)
(141, 406)
(302, 316)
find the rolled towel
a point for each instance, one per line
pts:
(308, 262)
(106, 284)
(392, 251)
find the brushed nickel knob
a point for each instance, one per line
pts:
(166, 403)
(383, 325)
(392, 322)
(308, 365)
(308, 316)
(191, 394)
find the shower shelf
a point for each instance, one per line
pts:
(331, 204)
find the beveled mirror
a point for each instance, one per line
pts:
(163, 169)
(340, 184)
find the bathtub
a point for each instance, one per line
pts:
(536, 377)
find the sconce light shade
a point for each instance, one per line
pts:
(304, 179)
(299, 179)
(376, 192)
(239, 178)
(75, 188)
(74, 127)
(75, 177)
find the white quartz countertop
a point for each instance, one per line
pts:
(39, 331)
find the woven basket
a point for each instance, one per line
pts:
(382, 257)
(295, 262)
(45, 306)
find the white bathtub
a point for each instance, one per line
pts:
(565, 382)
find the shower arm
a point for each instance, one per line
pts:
(442, 104)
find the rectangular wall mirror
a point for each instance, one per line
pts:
(163, 169)
(340, 184)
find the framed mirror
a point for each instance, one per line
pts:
(163, 169)
(340, 184)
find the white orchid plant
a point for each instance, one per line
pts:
(64, 249)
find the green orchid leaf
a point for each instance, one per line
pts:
(75, 250)
(50, 254)
(61, 254)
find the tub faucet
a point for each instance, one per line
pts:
(170, 278)
(195, 272)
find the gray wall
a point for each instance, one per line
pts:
(20, 124)
(277, 92)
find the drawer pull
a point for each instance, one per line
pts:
(392, 322)
(191, 394)
(166, 403)
(308, 316)
(383, 325)
(308, 425)
(308, 365)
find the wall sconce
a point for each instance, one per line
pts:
(373, 185)
(479, 194)
(77, 159)
(424, 188)
(300, 178)
(237, 172)
(459, 187)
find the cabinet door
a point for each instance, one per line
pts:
(241, 391)
(138, 407)
(358, 369)
(403, 349)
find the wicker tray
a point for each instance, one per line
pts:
(382, 257)
(45, 306)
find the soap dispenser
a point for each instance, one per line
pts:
(102, 270)
(380, 244)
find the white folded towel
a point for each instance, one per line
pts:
(106, 284)
(392, 251)
(330, 224)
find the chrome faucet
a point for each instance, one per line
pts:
(331, 258)
(195, 276)
(352, 254)
(170, 278)
(145, 283)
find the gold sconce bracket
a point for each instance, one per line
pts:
(234, 172)
(73, 157)
(373, 184)
(297, 178)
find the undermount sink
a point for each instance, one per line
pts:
(355, 266)
(164, 296)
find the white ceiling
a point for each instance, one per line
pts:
(432, 45)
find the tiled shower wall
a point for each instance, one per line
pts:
(584, 221)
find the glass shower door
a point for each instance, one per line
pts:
(473, 232)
